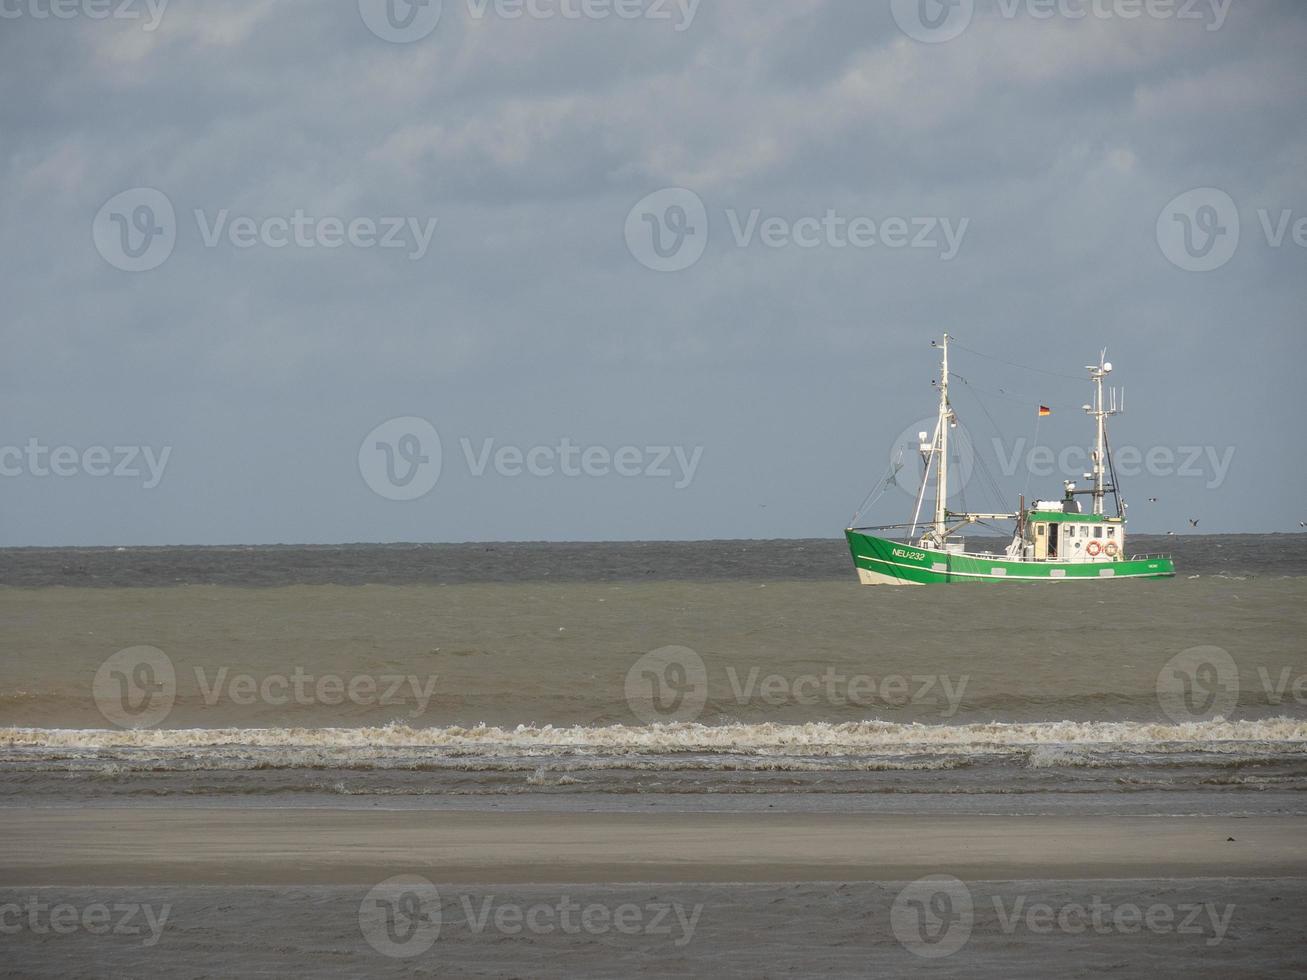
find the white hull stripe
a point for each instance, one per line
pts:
(1002, 559)
(1033, 578)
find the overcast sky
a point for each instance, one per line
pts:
(646, 269)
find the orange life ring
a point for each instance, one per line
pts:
(1093, 548)
(1110, 548)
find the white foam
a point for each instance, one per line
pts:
(812, 739)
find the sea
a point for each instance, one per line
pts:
(727, 674)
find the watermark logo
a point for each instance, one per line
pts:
(1208, 463)
(667, 231)
(1283, 685)
(400, 917)
(136, 230)
(671, 685)
(303, 688)
(401, 459)
(149, 11)
(839, 690)
(907, 461)
(651, 10)
(136, 687)
(571, 918)
(667, 685)
(302, 230)
(401, 21)
(571, 459)
(1198, 684)
(932, 21)
(1198, 231)
(39, 460)
(1103, 918)
(96, 918)
(933, 916)
(936, 21)
(907, 447)
(406, 21)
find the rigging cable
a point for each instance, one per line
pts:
(1024, 367)
(995, 490)
(887, 481)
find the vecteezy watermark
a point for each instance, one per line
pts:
(1198, 684)
(680, 13)
(303, 688)
(933, 21)
(402, 917)
(670, 684)
(668, 231)
(1283, 685)
(137, 688)
(1202, 684)
(667, 685)
(137, 230)
(937, 21)
(1211, 464)
(402, 459)
(1205, 919)
(124, 462)
(1200, 230)
(934, 917)
(1208, 463)
(565, 916)
(150, 11)
(914, 442)
(401, 21)
(97, 918)
(406, 21)
(837, 689)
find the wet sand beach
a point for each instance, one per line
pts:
(277, 846)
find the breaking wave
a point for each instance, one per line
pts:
(812, 739)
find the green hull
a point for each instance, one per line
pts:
(883, 562)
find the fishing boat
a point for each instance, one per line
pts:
(1053, 541)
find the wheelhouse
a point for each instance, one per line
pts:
(1070, 537)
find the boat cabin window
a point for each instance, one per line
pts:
(1098, 530)
(1111, 532)
(1039, 529)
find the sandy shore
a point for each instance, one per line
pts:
(161, 889)
(1201, 927)
(197, 845)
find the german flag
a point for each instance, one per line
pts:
(1044, 410)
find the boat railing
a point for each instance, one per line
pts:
(1159, 554)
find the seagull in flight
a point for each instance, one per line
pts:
(1152, 500)
(1193, 522)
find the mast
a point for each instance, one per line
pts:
(1100, 412)
(941, 447)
